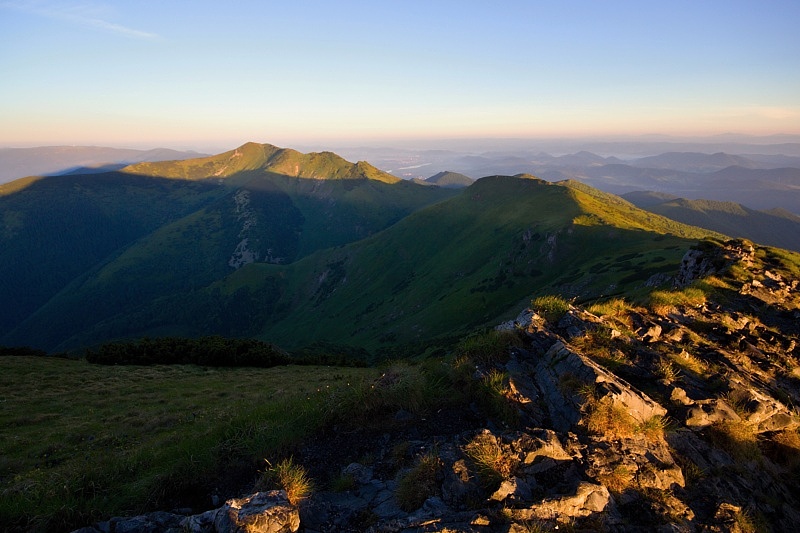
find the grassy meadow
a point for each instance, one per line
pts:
(82, 442)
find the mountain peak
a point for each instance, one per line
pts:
(253, 156)
(448, 178)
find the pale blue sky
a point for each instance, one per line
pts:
(194, 74)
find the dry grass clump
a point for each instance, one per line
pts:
(606, 417)
(736, 437)
(419, 483)
(551, 307)
(748, 523)
(666, 302)
(691, 362)
(667, 370)
(618, 480)
(784, 448)
(692, 473)
(493, 466)
(290, 477)
(737, 399)
(616, 308)
(653, 428)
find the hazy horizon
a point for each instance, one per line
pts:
(209, 75)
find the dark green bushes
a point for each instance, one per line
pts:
(206, 351)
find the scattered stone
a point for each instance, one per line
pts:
(513, 489)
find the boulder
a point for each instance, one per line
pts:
(561, 371)
(512, 489)
(262, 512)
(587, 500)
(707, 412)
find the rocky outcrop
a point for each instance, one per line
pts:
(627, 422)
(261, 512)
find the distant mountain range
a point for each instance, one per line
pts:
(22, 162)
(302, 248)
(763, 181)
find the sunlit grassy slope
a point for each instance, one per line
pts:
(466, 262)
(253, 156)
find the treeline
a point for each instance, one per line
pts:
(205, 351)
(22, 350)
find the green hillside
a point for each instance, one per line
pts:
(471, 260)
(437, 273)
(776, 227)
(55, 229)
(111, 241)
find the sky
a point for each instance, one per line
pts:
(198, 74)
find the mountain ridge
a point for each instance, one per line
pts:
(266, 157)
(436, 271)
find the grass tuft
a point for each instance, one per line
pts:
(487, 455)
(615, 307)
(291, 477)
(736, 437)
(618, 480)
(666, 302)
(551, 307)
(605, 417)
(419, 483)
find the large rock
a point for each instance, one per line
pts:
(262, 512)
(561, 372)
(587, 500)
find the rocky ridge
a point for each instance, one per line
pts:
(674, 416)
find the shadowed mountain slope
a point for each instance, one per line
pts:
(436, 273)
(158, 231)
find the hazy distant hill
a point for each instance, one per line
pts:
(734, 168)
(450, 179)
(694, 161)
(22, 162)
(757, 188)
(297, 248)
(776, 227)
